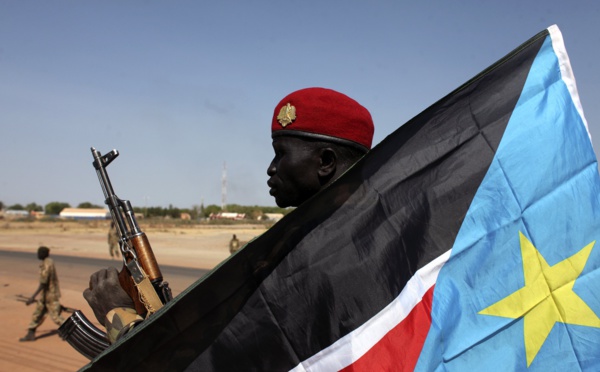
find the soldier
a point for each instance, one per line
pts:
(49, 302)
(234, 244)
(317, 135)
(113, 241)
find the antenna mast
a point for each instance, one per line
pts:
(224, 187)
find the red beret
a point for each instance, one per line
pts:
(323, 114)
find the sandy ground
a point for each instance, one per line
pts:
(194, 246)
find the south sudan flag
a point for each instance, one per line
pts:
(463, 241)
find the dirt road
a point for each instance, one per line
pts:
(197, 248)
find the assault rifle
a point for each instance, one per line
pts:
(140, 277)
(23, 298)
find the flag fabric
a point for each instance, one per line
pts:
(465, 239)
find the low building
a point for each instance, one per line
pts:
(38, 214)
(12, 214)
(85, 213)
(272, 216)
(227, 216)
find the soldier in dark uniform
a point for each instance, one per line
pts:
(113, 241)
(234, 244)
(317, 135)
(49, 301)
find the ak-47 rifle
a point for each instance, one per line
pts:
(28, 300)
(23, 298)
(140, 277)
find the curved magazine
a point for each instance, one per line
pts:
(83, 336)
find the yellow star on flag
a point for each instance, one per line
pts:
(546, 298)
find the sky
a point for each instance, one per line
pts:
(185, 90)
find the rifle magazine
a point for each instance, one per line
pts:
(83, 336)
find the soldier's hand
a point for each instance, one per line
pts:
(105, 293)
(29, 301)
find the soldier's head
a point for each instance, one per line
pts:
(43, 252)
(317, 135)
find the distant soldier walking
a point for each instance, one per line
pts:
(113, 241)
(234, 244)
(49, 302)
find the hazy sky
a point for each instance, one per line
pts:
(181, 88)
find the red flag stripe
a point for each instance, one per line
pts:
(386, 331)
(399, 350)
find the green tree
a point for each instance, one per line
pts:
(173, 212)
(1, 206)
(33, 207)
(16, 207)
(54, 208)
(155, 212)
(196, 211)
(211, 209)
(88, 205)
(201, 211)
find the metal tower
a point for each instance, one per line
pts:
(224, 187)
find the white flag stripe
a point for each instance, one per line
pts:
(351, 347)
(566, 71)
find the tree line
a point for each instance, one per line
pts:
(196, 212)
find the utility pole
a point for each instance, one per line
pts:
(224, 188)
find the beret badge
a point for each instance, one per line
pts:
(287, 115)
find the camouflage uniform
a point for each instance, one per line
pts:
(119, 321)
(113, 242)
(234, 245)
(49, 302)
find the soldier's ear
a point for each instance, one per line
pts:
(328, 162)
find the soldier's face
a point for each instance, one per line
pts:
(293, 172)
